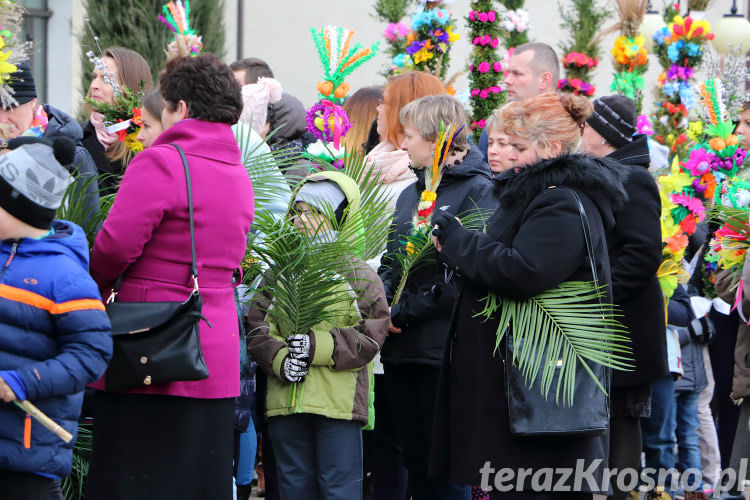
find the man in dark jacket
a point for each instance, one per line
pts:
(635, 254)
(413, 351)
(28, 118)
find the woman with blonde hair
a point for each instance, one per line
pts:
(126, 68)
(362, 110)
(388, 158)
(532, 243)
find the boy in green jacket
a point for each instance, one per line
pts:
(319, 382)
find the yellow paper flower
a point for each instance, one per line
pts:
(452, 37)
(429, 195)
(132, 143)
(422, 55)
(6, 69)
(410, 248)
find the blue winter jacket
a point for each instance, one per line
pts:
(55, 334)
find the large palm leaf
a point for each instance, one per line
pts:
(307, 274)
(265, 168)
(73, 485)
(76, 205)
(304, 274)
(560, 329)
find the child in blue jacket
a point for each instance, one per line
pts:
(55, 335)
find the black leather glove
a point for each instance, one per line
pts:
(299, 345)
(702, 330)
(447, 224)
(293, 369)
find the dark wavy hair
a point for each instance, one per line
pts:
(207, 86)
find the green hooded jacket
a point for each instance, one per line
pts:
(340, 379)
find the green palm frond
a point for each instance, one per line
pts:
(265, 168)
(73, 485)
(304, 274)
(558, 329)
(75, 205)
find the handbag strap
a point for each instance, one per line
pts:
(193, 264)
(586, 235)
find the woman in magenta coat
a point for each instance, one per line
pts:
(174, 440)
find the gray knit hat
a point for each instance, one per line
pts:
(32, 184)
(614, 119)
(324, 195)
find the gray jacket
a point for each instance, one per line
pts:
(693, 371)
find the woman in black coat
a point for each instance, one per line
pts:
(533, 243)
(635, 255)
(413, 351)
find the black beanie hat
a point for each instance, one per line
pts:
(33, 183)
(22, 83)
(614, 119)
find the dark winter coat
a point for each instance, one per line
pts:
(114, 170)
(83, 169)
(635, 256)
(680, 313)
(55, 334)
(533, 243)
(424, 310)
(728, 292)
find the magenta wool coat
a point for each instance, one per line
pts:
(147, 237)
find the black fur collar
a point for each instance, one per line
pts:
(599, 178)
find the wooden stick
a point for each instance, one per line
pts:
(45, 420)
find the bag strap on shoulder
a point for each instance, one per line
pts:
(193, 264)
(586, 234)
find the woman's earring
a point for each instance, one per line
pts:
(604, 142)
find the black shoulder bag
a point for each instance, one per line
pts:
(157, 342)
(530, 414)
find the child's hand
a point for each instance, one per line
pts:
(6, 393)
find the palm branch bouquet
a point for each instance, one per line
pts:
(418, 243)
(306, 274)
(629, 51)
(326, 119)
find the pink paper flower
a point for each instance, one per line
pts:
(484, 67)
(474, 92)
(491, 16)
(497, 66)
(494, 43)
(483, 17)
(484, 94)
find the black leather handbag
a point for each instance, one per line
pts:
(531, 414)
(157, 342)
